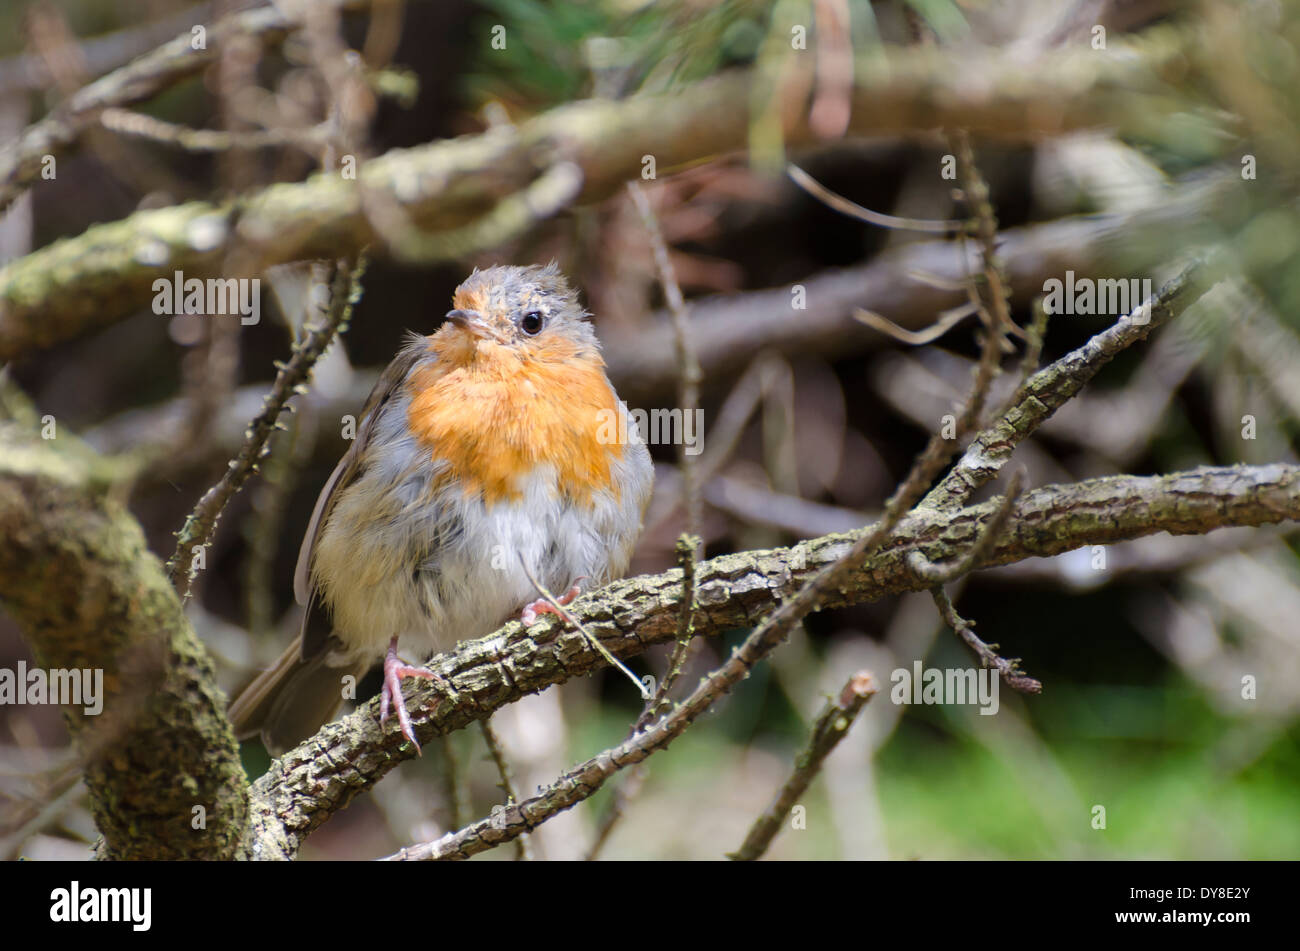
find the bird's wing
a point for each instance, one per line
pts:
(314, 634)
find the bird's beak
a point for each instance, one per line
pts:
(472, 322)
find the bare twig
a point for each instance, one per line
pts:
(627, 791)
(688, 545)
(1050, 388)
(845, 207)
(831, 726)
(686, 548)
(947, 320)
(942, 574)
(688, 393)
(1037, 334)
(198, 527)
(1008, 670)
(453, 782)
(624, 795)
(564, 612)
(524, 851)
(976, 192)
(126, 122)
(21, 160)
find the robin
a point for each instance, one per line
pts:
(483, 450)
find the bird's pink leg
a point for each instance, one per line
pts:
(394, 671)
(542, 606)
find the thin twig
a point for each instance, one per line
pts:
(1037, 334)
(831, 726)
(140, 79)
(1008, 670)
(202, 522)
(845, 207)
(915, 338)
(941, 574)
(686, 548)
(624, 794)
(1050, 388)
(690, 542)
(563, 612)
(523, 846)
(126, 122)
(453, 782)
(688, 392)
(688, 396)
(976, 191)
(996, 324)
(681, 652)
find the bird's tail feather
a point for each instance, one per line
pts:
(293, 699)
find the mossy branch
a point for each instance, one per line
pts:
(105, 274)
(312, 782)
(160, 760)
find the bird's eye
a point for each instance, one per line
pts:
(531, 323)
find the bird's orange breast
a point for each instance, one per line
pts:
(493, 415)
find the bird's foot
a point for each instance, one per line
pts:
(394, 671)
(542, 606)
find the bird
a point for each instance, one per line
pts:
(490, 450)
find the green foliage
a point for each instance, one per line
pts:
(1160, 760)
(557, 52)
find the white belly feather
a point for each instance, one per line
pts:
(434, 567)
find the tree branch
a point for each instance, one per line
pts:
(345, 291)
(831, 726)
(1052, 387)
(76, 575)
(320, 777)
(81, 283)
(141, 79)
